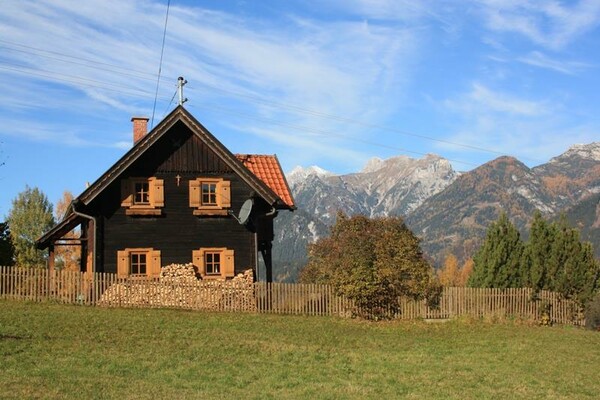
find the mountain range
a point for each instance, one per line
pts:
(447, 209)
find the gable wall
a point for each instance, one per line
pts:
(177, 231)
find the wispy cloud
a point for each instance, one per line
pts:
(531, 130)
(299, 61)
(551, 24)
(482, 100)
(540, 60)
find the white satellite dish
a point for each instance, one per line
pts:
(245, 211)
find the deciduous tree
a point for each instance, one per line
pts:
(449, 274)
(67, 256)
(29, 217)
(373, 262)
(465, 272)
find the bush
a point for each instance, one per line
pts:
(372, 262)
(592, 314)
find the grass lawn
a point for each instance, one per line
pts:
(57, 351)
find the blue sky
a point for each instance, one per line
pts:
(332, 83)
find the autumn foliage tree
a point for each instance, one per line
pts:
(452, 275)
(373, 262)
(67, 256)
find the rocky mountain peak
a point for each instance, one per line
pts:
(372, 165)
(299, 174)
(450, 211)
(589, 151)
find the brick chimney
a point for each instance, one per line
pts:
(140, 128)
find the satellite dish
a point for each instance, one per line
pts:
(245, 211)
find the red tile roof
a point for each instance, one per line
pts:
(268, 170)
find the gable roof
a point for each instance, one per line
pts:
(177, 115)
(268, 170)
(267, 182)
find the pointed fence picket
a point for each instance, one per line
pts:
(103, 289)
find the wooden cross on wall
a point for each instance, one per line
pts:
(178, 177)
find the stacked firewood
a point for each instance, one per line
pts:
(179, 287)
(178, 273)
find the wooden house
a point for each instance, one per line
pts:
(176, 197)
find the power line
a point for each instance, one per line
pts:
(127, 72)
(352, 121)
(143, 93)
(318, 131)
(95, 62)
(170, 102)
(294, 108)
(77, 81)
(162, 49)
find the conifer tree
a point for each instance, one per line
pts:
(537, 252)
(572, 269)
(497, 262)
(29, 217)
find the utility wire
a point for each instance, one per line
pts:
(160, 62)
(148, 76)
(94, 62)
(350, 120)
(319, 132)
(77, 81)
(264, 101)
(169, 105)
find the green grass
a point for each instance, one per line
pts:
(56, 351)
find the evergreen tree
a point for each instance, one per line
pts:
(7, 250)
(29, 217)
(572, 269)
(497, 262)
(537, 252)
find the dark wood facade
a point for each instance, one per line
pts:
(176, 156)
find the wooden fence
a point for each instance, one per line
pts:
(281, 298)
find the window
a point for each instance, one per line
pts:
(210, 196)
(138, 262)
(142, 196)
(214, 262)
(141, 193)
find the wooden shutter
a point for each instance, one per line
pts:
(122, 263)
(224, 194)
(154, 265)
(126, 193)
(195, 193)
(157, 198)
(198, 261)
(228, 264)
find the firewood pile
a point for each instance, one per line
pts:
(179, 287)
(178, 273)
